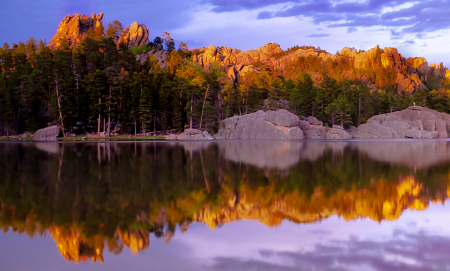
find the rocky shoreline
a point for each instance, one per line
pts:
(415, 122)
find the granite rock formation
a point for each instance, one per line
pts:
(280, 124)
(413, 122)
(47, 134)
(135, 35)
(191, 134)
(313, 129)
(160, 56)
(74, 28)
(238, 63)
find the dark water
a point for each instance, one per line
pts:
(256, 205)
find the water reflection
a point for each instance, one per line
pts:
(92, 197)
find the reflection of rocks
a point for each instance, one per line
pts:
(263, 154)
(75, 248)
(381, 201)
(279, 124)
(418, 155)
(136, 239)
(414, 122)
(48, 147)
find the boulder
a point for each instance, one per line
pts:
(421, 134)
(281, 117)
(47, 134)
(413, 122)
(375, 131)
(279, 124)
(315, 132)
(313, 128)
(191, 134)
(314, 121)
(74, 28)
(337, 132)
(135, 35)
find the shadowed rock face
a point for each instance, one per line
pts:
(47, 134)
(414, 122)
(279, 124)
(160, 56)
(135, 35)
(74, 28)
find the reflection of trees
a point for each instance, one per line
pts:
(89, 196)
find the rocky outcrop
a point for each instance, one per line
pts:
(337, 133)
(74, 28)
(160, 56)
(135, 35)
(418, 63)
(47, 134)
(414, 122)
(191, 134)
(280, 124)
(312, 128)
(238, 63)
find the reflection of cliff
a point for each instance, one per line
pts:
(75, 247)
(382, 201)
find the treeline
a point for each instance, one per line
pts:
(98, 85)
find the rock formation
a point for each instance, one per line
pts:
(160, 56)
(75, 27)
(313, 129)
(135, 35)
(279, 124)
(47, 134)
(191, 134)
(238, 63)
(414, 122)
(418, 63)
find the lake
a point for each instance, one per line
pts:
(231, 205)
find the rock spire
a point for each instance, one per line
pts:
(75, 27)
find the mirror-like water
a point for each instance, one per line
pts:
(244, 205)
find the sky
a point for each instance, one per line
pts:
(416, 28)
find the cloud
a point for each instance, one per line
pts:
(409, 42)
(352, 29)
(407, 17)
(264, 15)
(402, 251)
(318, 35)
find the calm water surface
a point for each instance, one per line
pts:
(255, 205)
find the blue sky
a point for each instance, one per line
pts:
(416, 28)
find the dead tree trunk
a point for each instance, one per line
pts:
(59, 107)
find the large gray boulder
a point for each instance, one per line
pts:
(47, 134)
(413, 122)
(280, 124)
(313, 128)
(191, 134)
(337, 132)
